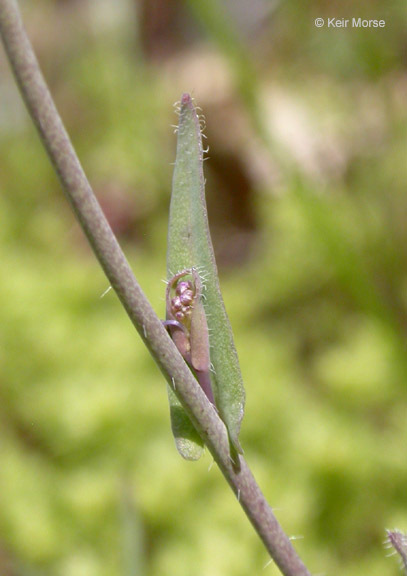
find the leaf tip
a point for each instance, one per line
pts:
(186, 98)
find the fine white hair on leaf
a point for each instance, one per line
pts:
(203, 273)
(231, 459)
(202, 123)
(271, 561)
(106, 291)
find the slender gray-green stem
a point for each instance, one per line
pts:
(79, 193)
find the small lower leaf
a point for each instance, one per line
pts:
(189, 443)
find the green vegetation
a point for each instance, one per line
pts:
(90, 481)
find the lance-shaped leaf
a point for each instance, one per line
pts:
(190, 249)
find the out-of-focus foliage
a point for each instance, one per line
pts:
(309, 226)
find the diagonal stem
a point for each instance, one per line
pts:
(106, 248)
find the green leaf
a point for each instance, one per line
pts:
(190, 248)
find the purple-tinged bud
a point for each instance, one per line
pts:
(187, 310)
(187, 297)
(176, 303)
(183, 286)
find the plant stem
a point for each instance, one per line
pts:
(91, 218)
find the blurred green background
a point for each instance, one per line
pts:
(307, 129)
